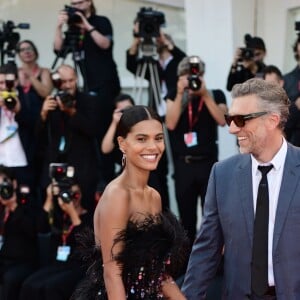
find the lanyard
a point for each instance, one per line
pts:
(192, 121)
(4, 220)
(66, 233)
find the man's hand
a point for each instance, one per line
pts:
(68, 110)
(62, 18)
(49, 104)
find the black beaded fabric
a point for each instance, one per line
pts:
(154, 248)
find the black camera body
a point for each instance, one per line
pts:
(66, 98)
(73, 18)
(150, 22)
(9, 39)
(6, 189)
(247, 53)
(9, 96)
(9, 99)
(194, 73)
(62, 175)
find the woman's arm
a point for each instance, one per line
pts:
(171, 290)
(111, 216)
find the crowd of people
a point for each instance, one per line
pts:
(84, 191)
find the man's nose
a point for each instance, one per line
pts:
(233, 129)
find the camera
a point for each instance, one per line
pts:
(9, 39)
(150, 22)
(6, 189)
(73, 18)
(9, 96)
(62, 176)
(247, 53)
(66, 98)
(23, 196)
(194, 73)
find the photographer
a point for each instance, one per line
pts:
(167, 60)
(60, 220)
(18, 243)
(67, 133)
(193, 114)
(16, 128)
(292, 88)
(96, 49)
(248, 62)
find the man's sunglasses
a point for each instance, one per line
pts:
(240, 120)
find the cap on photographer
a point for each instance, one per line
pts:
(248, 61)
(193, 115)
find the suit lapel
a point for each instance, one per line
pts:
(289, 183)
(244, 183)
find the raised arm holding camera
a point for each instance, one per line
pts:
(248, 61)
(193, 114)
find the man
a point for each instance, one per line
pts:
(193, 115)
(272, 74)
(292, 87)
(248, 62)
(18, 236)
(166, 61)
(16, 149)
(233, 204)
(91, 37)
(67, 131)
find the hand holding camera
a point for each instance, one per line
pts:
(9, 97)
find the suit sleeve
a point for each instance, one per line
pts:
(207, 249)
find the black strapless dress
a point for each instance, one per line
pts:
(153, 249)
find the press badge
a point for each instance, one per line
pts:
(11, 128)
(63, 253)
(62, 144)
(190, 139)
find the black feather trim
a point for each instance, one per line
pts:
(153, 249)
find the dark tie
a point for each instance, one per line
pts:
(259, 268)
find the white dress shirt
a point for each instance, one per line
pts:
(274, 184)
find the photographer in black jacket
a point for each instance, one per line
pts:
(67, 131)
(193, 115)
(18, 243)
(248, 62)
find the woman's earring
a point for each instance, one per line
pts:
(123, 160)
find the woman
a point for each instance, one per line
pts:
(34, 85)
(34, 80)
(142, 249)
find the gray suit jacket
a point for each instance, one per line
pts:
(228, 220)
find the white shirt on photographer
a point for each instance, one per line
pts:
(12, 153)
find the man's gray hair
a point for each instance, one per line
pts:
(184, 66)
(271, 97)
